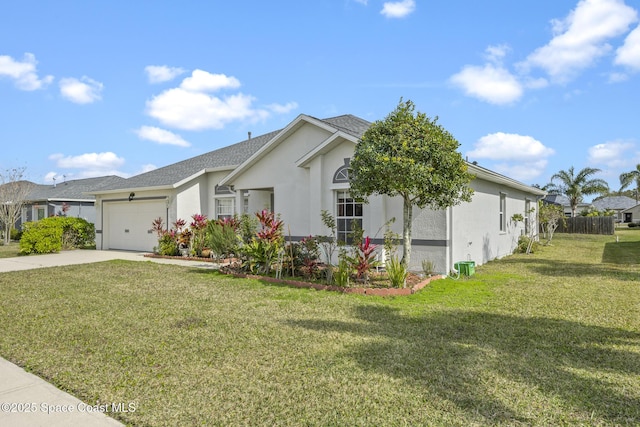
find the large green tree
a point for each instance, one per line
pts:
(410, 156)
(577, 185)
(627, 178)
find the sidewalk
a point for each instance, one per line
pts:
(25, 399)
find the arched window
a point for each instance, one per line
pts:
(342, 174)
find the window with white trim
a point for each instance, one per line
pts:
(39, 213)
(527, 216)
(348, 213)
(225, 207)
(503, 212)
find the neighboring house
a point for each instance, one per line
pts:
(615, 203)
(631, 214)
(299, 171)
(49, 200)
(562, 200)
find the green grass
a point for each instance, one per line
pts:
(551, 338)
(10, 250)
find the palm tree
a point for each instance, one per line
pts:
(628, 177)
(575, 186)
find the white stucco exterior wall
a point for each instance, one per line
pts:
(476, 225)
(277, 171)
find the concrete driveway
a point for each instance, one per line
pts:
(86, 257)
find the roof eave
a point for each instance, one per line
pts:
(124, 190)
(489, 175)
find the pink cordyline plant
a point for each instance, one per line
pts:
(271, 227)
(365, 258)
(199, 222)
(232, 222)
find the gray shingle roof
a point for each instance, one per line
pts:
(557, 199)
(349, 124)
(230, 156)
(614, 202)
(75, 189)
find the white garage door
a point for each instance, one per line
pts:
(129, 224)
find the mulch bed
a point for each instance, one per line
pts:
(414, 281)
(419, 283)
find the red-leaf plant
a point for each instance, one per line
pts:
(232, 222)
(365, 258)
(271, 228)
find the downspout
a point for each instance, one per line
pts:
(101, 225)
(450, 239)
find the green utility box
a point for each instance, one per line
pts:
(466, 268)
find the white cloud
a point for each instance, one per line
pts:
(581, 38)
(521, 157)
(522, 172)
(629, 53)
(510, 146)
(161, 136)
(146, 168)
(612, 154)
(282, 109)
(490, 83)
(183, 109)
(49, 176)
(83, 91)
(495, 54)
(190, 107)
(398, 9)
(23, 73)
(162, 73)
(618, 77)
(102, 162)
(203, 81)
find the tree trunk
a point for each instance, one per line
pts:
(406, 233)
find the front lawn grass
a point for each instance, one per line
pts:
(551, 338)
(10, 250)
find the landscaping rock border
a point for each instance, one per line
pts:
(383, 292)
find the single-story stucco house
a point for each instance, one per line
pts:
(614, 203)
(562, 200)
(71, 196)
(297, 172)
(631, 214)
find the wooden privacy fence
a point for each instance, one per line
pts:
(588, 225)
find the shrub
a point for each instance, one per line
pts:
(42, 237)
(16, 234)
(198, 232)
(56, 233)
(167, 244)
(342, 275)
(428, 267)
(632, 224)
(307, 258)
(523, 244)
(397, 272)
(265, 246)
(77, 233)
(222, 239)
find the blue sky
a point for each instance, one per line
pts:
(121, 87)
